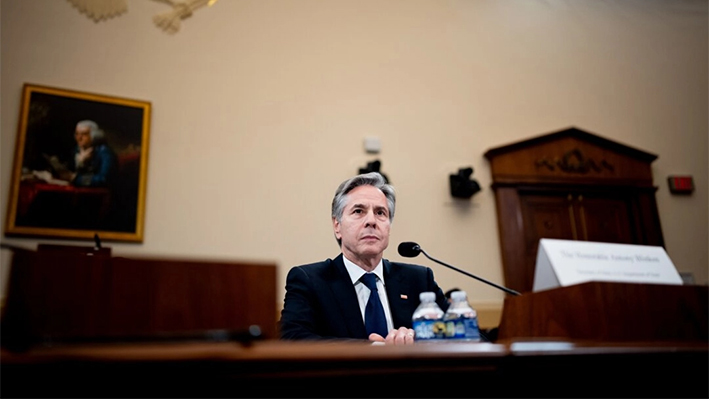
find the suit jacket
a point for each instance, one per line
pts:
(100, 169)
(321, 302)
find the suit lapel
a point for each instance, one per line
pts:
(344, 294)
(399, 302)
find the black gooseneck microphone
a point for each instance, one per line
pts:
(411, 250)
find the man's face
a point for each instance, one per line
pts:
(364, 228)
(83, 136)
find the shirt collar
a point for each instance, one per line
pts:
(357, 272)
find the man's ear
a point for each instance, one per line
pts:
(336, 228)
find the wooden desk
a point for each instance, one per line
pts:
(273, 368)
(111, 307)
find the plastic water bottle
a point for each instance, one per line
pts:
(461, 319)
(428, 319)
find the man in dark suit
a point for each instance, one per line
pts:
(329, 299)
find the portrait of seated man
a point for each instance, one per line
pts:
(93, 164)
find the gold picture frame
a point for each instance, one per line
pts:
(62, 188)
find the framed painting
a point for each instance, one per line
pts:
(80, 166)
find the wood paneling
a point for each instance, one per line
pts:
(609, 312)
(56, 297)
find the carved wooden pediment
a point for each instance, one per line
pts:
(570, 156)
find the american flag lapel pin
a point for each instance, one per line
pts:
(404, 296)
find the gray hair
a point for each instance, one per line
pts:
(95, 132)
(374, 179)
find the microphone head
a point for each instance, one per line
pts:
(409, 249)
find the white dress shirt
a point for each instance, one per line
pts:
(363, 292)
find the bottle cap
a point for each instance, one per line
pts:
(427, 296)
(459, 295)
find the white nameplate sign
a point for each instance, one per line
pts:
(561, 263)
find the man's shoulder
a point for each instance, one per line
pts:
(315, 265)
(104, 149)
(405, 266)
(327, 269)
(321, 265)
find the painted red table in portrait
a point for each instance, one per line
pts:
(45, 204)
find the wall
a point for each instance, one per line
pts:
(260, 108)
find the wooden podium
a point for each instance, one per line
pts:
(56, 297)
(610, 312)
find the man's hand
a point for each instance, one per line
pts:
(83, 156)
(401, 336)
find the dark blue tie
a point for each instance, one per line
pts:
(374, 319)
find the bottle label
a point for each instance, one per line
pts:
(429, 330)
(463, 328)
